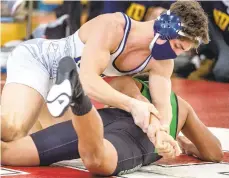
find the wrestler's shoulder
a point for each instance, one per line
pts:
(116, 18)
(106, 24)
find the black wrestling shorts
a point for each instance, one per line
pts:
(60, 142)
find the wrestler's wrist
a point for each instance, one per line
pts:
(165, 128)
(129, 104)
(141, 98)
(165, 124)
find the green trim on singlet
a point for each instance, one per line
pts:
(173, 99)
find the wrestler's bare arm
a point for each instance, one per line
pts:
(203, 143)
(160, 88)
(206, 146)
(132, 88)
(103, 39)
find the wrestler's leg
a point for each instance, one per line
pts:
(45, 147)
(36, 127)
(23, 95)
(21, 152)
(60, 142)
(19, 110)
(98, 155)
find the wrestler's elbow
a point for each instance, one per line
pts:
(213, 155)
(86, 85)
(217, 156)
(88, 82)
(214, 158)
(89, 91)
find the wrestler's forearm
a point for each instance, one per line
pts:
(195, 152)
(160, 90)
(207, 144)
(99, 90)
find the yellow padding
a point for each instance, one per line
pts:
(59, 2)
(84, 2)
(12, 31)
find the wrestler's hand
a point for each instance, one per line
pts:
(167, 151)
(141, 113)
(164, 148)
(185, 145)
(142, 98)
(153, 128)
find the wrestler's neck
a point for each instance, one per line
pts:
(143, 33)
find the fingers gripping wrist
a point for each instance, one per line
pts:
(165, 128)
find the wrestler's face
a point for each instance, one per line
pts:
(180, 46)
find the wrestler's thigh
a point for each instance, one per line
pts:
(56, 143)
(21, 152)
(20, 106)
(26, 88)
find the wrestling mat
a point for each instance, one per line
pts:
(211, 102)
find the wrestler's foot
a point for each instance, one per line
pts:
(66, 89)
